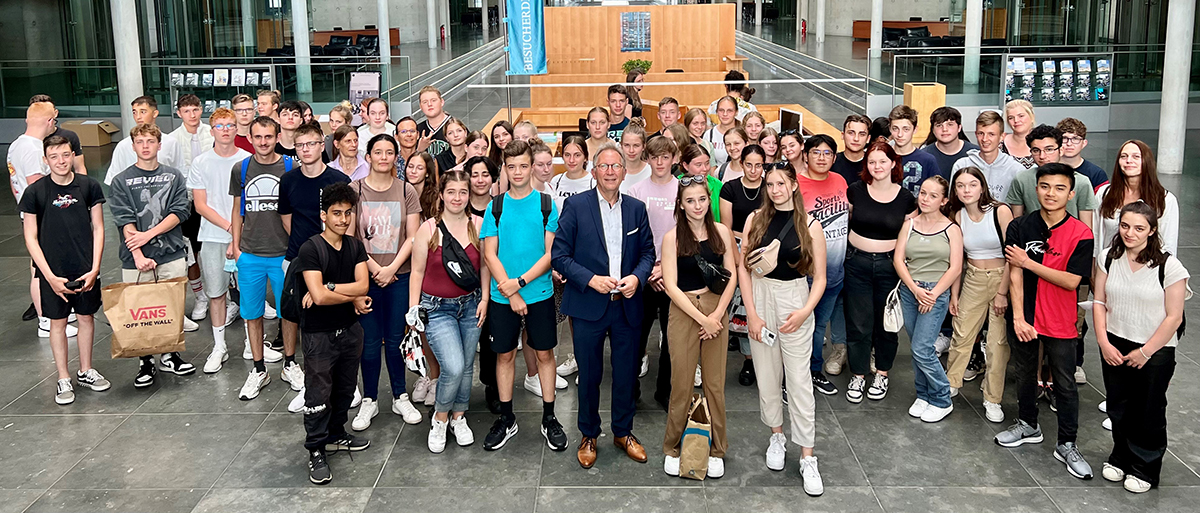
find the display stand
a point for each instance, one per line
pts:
(1058, 79)
(216, 86)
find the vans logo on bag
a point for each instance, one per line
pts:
(147, 313)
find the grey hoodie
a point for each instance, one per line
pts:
(999, 174)
(144, 199)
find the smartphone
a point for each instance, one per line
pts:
(768, 337)
(74, 285)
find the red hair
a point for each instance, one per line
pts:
(897, 168)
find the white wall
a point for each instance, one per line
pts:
(840, 16)
(408, 16)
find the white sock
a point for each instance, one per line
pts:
(219, 338)
(198, 290)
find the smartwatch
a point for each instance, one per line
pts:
(331, 285)
(521, 281)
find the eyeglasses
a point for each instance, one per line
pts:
(406, 131)
(610, 167)
(821, 153)
(313, 144)
(1072, 140)
(1038, 151)
(687, 181)
(225, 126)
(244, 111)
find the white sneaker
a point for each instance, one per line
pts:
(200, 310)
(935, 414)
(190, 325)
(993, 412)
(297, 404)
(269, 312)
(568, 367)
(534, 385)
(559, 383)
(1103, 406)
(71, 317)
(44, 328)
(716, 467)
(255, 382)
(368, 411)
(953, 392)
(1112, 473)
(269, 355)
(293, 375)
(918, 407)
(357, 400)
(671, 465)
(812, 477)
(1080, 376)
(1136, 485)
(232, 312)
(215, 360)
(421, 389)
(1106, 424)
(776, 452)
(403, 407)
(462, 432)
(437, 436)
(941, 344)
(431, 397)
(646, 370)
(697, 381)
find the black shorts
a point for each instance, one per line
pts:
(506, 326)
(83, 303)
(191, 229)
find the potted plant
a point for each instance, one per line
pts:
(639, 64)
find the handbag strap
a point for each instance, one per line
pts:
(782, 229)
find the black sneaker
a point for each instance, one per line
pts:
(493, 399)
(1052, 399)
(347, 442)
(30, 313)
(746, 377)
(556, 439)
(974, 367)
(318, 468)
(783, 391)
(176, 364)
(822, 384)
(499, 435)
(277, 343)
(734, 344)
(145, 375)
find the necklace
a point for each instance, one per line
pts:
(757, 192)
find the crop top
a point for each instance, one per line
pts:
(688, 273)
(981, 240)
(875, 220)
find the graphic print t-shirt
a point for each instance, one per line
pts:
(825, 200)
(616, 130)
(1067, 246)
(917, 166)
(262, 229)
(380, 219)
(439, 142)
(64, 222)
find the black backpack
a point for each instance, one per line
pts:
(290, 306)
(1162, 278)
(498, 208)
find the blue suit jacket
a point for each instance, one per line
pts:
(579, 254)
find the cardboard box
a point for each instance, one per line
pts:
(92, 132)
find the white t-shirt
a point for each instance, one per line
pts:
(633, 178)
(1135, 300)
(365, 135)
(211, 173)
(25, 160)
(566, 187)
(123, 156)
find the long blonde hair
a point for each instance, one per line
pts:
(763, 216)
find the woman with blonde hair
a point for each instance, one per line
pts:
(754, 123)
(597, 128)
(341, 114)
(1019, 115)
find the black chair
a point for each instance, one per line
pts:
(368, 44)
(917, 32)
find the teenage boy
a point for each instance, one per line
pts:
(1074, 140)
(145, 112)
(855, 136)
(516, 248)
(658, 193)
(668, 114)
(268, 104)
(259, 243)
(998, 168)
(1049, 252)
(72, 137)
(148, 202)
(618, 98)
(917, 165)
(243, 108)
(946, 141)
(300, 211)
(64, 233)
(209, 183)
(432, 131)
(291, 116)
(334, 294)
(1045, 144)
(194, 138)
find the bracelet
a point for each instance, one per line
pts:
(1143, 354)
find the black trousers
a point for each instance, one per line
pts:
(656, 305)
(487, 357)
(869, 279)
(1137, 405)
(331, 361)
(1061, 355)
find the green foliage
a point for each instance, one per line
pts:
(632, 64)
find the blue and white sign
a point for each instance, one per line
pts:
(526, 38)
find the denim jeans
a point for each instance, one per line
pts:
(384, 327)
(923, 328)
(453, 331)
(827, 308)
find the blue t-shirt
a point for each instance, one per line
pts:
(522, 243)
(917, 166)
(1096, 175)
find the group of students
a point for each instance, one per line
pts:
(732, 235)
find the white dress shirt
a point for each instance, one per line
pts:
(610, 217)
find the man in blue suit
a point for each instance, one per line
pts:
(605, 250)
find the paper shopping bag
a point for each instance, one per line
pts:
(697, 439)
(146, 318)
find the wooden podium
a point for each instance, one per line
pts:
(924, 97)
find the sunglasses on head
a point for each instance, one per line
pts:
(687, 181)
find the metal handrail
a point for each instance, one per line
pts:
(482, 49)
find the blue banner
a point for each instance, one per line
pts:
(526, 38)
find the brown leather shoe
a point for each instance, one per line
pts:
(587, 452)
(632, 447)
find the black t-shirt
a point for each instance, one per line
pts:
(445, 161)
(946, 162)
(338, 268)
(300, 196)
(64, 222)
(72, 137)
(439, 143)
(849, 169)
(743, 200)
(615, 130)
(875, 220)
(789, 246)
(473, 211)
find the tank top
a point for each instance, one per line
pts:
(789, 246)
(927, 255)
(437, 283)
(688, 273)
(981, 240)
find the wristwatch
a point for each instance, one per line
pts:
(520, 281)
(331, 285)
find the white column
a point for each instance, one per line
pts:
(1177, 68)
(974, 31)
(300, 41)
(385, 45)
(820, 23)
(445, 17)
(485, 21)
(431, 11)
(738, 26)
(799, 17)
(249, 20)
(875, 55)
(758, 8)
(129, 58)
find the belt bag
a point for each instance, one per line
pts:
(716, 278)
(763, 260)
(456, 261)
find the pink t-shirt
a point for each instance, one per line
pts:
(660, 208)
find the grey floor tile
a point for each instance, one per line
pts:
(983, 500)
(412, 464)
(37, 451)
(121, 398)
(452, 500)
(613, 467)
(16, 501)
(218, 393)
(745, 462)
(164, 451)
(287, 500)
(755, 498)
(1113, 498)
(17, 378)
(640, 500)
(87, 501)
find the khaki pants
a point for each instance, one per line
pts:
(974, 305)
(686, 348)
(788, 359)
(173, 269)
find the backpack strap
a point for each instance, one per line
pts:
(497, 209)
(996, 222)
(245, 168)
(547, 206)
(1108, 262)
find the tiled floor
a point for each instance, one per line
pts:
(187, 444)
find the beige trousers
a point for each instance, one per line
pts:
(788, 359)
(979, 287)
(683, 340)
